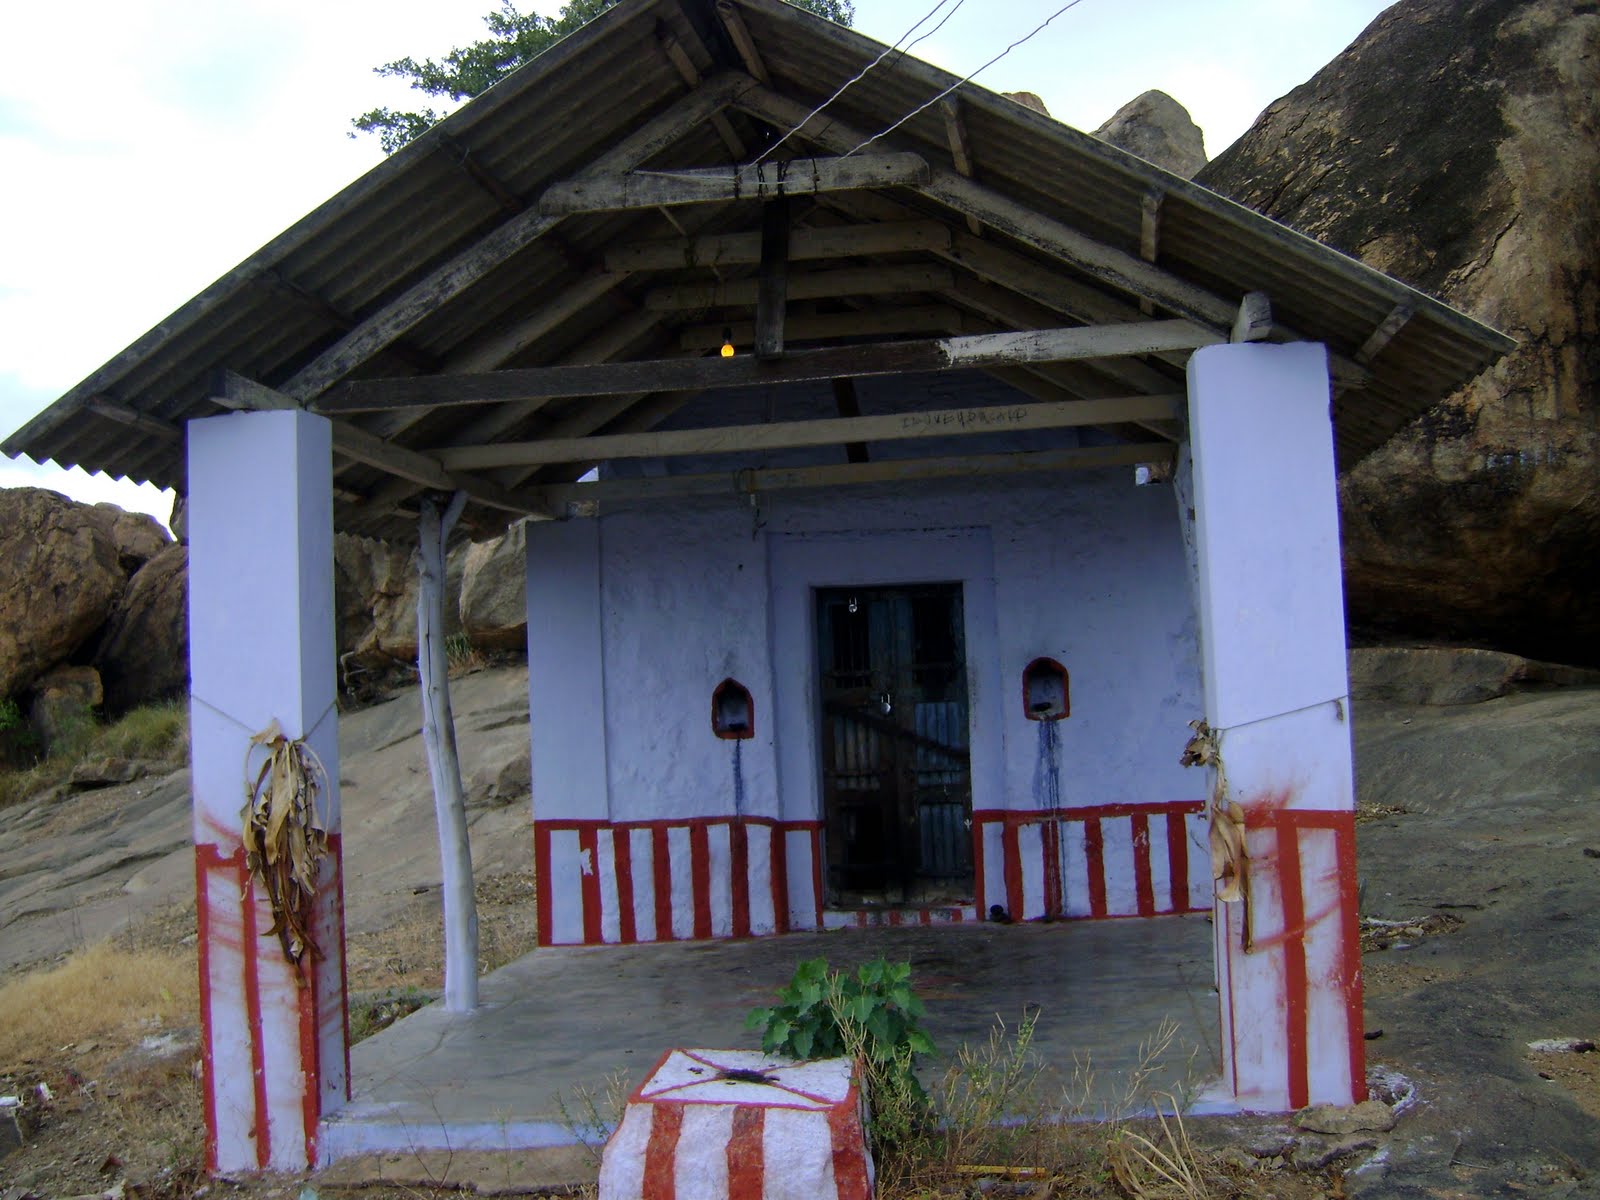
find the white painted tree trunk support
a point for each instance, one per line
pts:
(444, 765)
(261, 647)
(1271, 608)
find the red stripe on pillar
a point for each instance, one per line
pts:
(1350, 957)
(1178, 861)
(1294, 962)
(700, 879)
(661, 877)
(778, 857)
(203, 928)
(746, 1165)
(816, 876)
(310, 1055)
(249, 939)
(739, 867)
(589, 884)
(849, 1162)
(1054, 892)
(544, 894)
(978, 828)
(661, 1151)
(1011, 854)
(622, 855)
(1094, 852)
(1143, 888)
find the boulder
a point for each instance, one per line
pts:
(1455, 144)
(63, 575)
(494, 605)
(1159, 130)
(64, 702)
(1028, 100)
(1453, 675)
(375, 597)
(138, 537)
(1341, 1121)
(144, 653)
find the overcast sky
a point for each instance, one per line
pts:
(147, 146)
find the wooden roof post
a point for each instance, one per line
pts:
(444, 764)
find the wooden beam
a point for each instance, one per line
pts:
(739, 35)
(772, 285)
(688, 374)
(235, 391)
(1384, 333)
(626, 191)
(805, 245)
(808, 285)
(451, 278)
(1150, 235)
(955, 132)
(678, 56)
(104, 406)
(827, 431)
(848, 404)
(1101, 262)
(508, 200)
(560, 497)
(1254, 322)
(923, 319)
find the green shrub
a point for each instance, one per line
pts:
(872, 1017)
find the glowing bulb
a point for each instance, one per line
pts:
(727, 342)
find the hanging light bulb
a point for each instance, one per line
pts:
(727, 342)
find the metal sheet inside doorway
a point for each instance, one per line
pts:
(897, 786)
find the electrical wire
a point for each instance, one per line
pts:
(968, 79)
(887, 51)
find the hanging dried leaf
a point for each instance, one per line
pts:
(284, 836)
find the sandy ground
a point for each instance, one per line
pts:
(1480, 869)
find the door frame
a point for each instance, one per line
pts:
(801, 563)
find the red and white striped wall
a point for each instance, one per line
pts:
(675, 880)
(1112, 860)
(1290, 984)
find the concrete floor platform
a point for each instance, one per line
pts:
(571, 1018)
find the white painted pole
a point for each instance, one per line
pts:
(444, 765)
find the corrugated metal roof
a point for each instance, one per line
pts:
(485, 167)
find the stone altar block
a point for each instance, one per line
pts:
(741, 1125)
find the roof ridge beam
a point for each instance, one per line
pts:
(449, 279)
(805, 244)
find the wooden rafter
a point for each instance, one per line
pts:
(455, 276)
(805, 245)
(803, 285)
(681, 62)
(235, 391)
(955, 132)
(679, 374)
(1384, 333)
(1254, 322)
(828, 431)
(739, 34)
(560, 497)
(628, 190)
(875, 321)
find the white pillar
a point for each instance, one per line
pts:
(261, 648)
(1271, 608)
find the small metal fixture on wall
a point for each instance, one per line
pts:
(733, 712)
(1045, 693)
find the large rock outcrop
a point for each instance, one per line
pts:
(144, 654)
(1455, 144)
(494, 588)
(62, 574)
(1159, 130)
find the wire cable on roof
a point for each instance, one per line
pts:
(968, 79)
(887, 51)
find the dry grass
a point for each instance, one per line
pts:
(102, 994)
(159, 732)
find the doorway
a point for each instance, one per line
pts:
(896, 773)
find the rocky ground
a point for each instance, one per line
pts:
(1480, 863)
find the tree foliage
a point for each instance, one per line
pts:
(514, 38)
